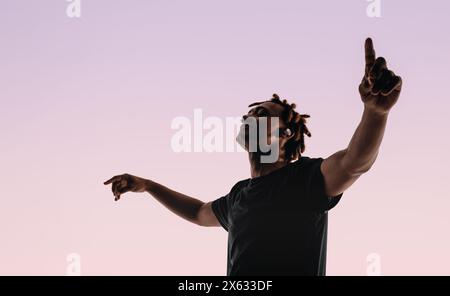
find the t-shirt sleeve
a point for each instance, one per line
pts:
(223, 205)
(316, 184)
(220, 208)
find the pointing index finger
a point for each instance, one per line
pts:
(111, 180)
(370, 54)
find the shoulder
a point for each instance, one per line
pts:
(306, 168)
(305, 162)
(238, 186)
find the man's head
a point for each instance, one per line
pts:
(289, 132)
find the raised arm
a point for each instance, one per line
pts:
(380, 89)
(186, 207)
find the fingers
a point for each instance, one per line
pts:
(373, 67)
(394, 85)
(377, 69)
(370, 54)
(377, 79)
(119, 186)
(123, 186)
(113, 179)
(364, 87)
(122, 190)
(383, 79)
(373, 78)
(387, 84)
(115, 191)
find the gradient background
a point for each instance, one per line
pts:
(84, 99)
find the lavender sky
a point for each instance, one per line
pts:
(83, 99)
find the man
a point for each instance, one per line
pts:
(277, 219)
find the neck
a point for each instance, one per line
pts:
(258, 169)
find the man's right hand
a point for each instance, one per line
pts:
(126, 182)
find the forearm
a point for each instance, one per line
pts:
(182, 205)
(363, 148)
(379, 89)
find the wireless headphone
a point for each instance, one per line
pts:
(287, 132)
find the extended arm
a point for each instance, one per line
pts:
(186, 207)
(379, 90)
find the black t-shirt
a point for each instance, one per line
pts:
(277, 223)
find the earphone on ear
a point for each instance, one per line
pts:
(288, 132)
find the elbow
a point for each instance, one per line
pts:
(199, 221)
(196, 219)
(200, 216)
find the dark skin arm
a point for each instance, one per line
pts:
(379, 89)
(186, 207)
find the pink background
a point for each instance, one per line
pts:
(84, 99)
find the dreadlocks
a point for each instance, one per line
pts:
(296, 123)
